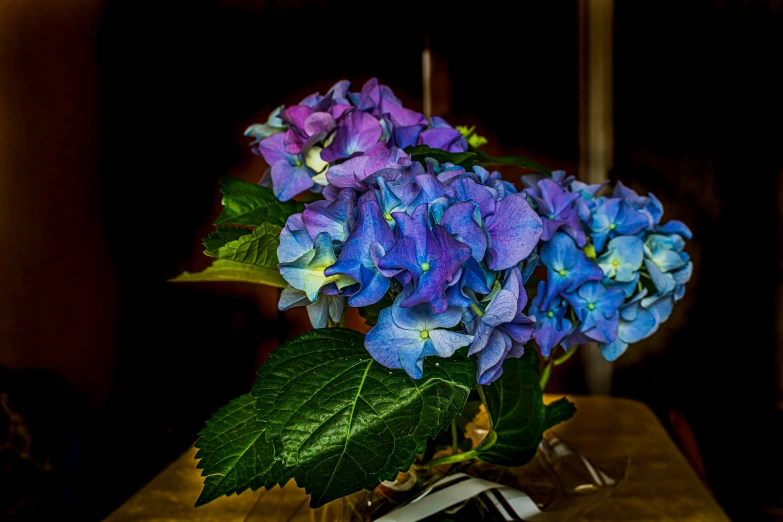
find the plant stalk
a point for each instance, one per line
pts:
(454, 436)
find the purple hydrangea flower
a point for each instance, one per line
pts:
(556, 207)
(501, 325)
(513, 229)
(441, 135)
(426, 257)
(404, 336)
(359, 134)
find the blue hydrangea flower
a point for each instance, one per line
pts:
(567, 267)
(597, 310)
(513, 229)
(324, 308)
(622, 258)
(554, 325)
(403, 337)
(306, 273)
(614, 217)
(367, 244)
(290, 174)
(635, 323)
(663, 257)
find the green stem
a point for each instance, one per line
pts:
(487, 443)
(545, 375)
(454, 436)
(563, 358)
(476, 309)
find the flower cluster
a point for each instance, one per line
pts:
(613, 270)
(448, 247)
(303, 142)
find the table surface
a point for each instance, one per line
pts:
(660, 484)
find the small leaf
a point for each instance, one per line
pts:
(253, 205)
(234, 452)
(559, 411)
(221, 236)
(341, 422)
(517, 413)
(226, 270)
(371, 312)
(485, 159)
(422, 152)
(258, 248)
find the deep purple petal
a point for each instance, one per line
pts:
(458, 219)
(514, 230)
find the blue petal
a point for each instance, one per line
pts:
(384, 340)
(446, 342)
(514, 230)
(613, 350)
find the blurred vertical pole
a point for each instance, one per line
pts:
(426, 77)
(780, 294)
(596, 133)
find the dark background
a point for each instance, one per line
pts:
(118, 117)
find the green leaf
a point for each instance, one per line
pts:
(422, 152)
(221, 236)
(485, 159)
(559, 411)
(258, 248)
(253, 205)
(234, 452)
(341, 422)
(227, 270)
(516, 411)
(370, 313)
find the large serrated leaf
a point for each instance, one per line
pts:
(221, 236)
(234, 452)
(232, 271)
(249, 204)
(517, 412)
(341, 422)
(258, 248)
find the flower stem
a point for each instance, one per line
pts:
(563, 358)
(476, 309)
(545, 374)
(487, 443)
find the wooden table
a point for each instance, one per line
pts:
(660, 484)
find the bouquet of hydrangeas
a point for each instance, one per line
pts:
(371, 204)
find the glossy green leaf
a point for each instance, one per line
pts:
(232, 271)
(221, 236)
(341, 422)
(234, 454)
(516, 411)
(559, 411)
(485, 159)
(258, 248)
(422, 152)
(253, 205)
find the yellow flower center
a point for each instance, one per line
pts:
(388, 217)
(591, 306)
(563, 272)
(611, 226)
(615, 263)
(425, 266)
(550, 314)
(424, 334)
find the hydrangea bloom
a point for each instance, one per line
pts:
(303, 142)
(614, 277)
(437, 238)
